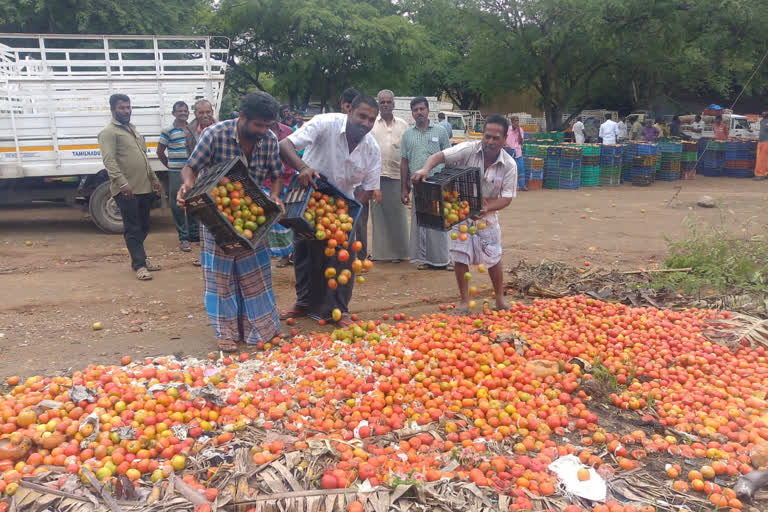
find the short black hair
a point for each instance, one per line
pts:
(676, 118)
(698, 116)
(349, 95)
(419, 100)
(179, 104)
(718, 117)
(117, 97)
(259, 105)
(498, 119)
(441, 116)
(285, 107)
(607, 116)
(364, 99)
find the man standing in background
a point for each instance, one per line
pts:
(622, 129)
(514, 142)
(203, 119)
(279, 237)
(133, 183)
(390, 217)
(428, 247)
(609, 131)
(578, 131)
(173, 140)
(761, 165)
(636, 133)
(442, 121)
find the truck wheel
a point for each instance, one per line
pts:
(104, 211)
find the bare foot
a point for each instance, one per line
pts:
(501, 305)
(462, 309)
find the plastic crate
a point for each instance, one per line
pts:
(740, 173)
(429, 195)
(642, 181)
(533, 175)
(688, 165)
(570, 163)
(297, 198)
(670, 166)
(570, 184)
(554, 151)
(739, 164)
(646, 149)
(571, 153)
(202, 204)
(668, 175)
(534, 184)
(590, 150)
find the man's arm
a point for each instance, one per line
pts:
(288, 153)
(107, 145)
(161, 154)
(432, 162)
(405, 181)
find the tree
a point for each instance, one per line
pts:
(316, 47)
(101, 16)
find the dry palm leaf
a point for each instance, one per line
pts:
(730, 332)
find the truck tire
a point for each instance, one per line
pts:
(104, 211)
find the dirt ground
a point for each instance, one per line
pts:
(72, 275)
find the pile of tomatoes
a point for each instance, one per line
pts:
(462, 391)
(332, 222)
(238, 208)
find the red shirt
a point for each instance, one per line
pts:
(721, 130)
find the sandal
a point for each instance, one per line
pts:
(153, 267)
(423, 266)
(227, 345)
(196, 262)
(143, 274)
(294, 312)
(283, 262)
(449, 267)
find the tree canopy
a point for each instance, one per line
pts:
(575, 54)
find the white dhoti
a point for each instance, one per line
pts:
(481, 248)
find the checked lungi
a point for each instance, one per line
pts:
(238, 292)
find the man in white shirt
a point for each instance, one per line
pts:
(622, 129)
(390, 217)
(341, 148)
(578, 131)
(609, 131)
(499, 186)
(698, 125)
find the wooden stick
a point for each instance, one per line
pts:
(296, 494)
(658, 270)
(47, 490)
(102, 490)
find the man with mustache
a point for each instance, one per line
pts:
(133, 183)
(340, 147)
(499, 186)
(428, 248)
(238, 290)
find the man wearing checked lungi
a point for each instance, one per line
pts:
(238, 289)
(499, 186)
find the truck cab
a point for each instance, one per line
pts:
(738, 127)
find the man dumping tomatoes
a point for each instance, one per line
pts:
(341, 147)
(499, 187)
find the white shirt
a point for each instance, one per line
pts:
(388, 138)
(324, 141)
(578, 131)
(609, 130)
(499, 179)
(698, 125)
(622, 130)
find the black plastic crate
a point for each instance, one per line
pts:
(429, 199)
(296, 201)
(202, 204)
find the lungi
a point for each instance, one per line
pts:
(238, 292)
(312, 292)
(280, 238)
(761, 165)
(481, 248)
(428, 246)
(390, 223)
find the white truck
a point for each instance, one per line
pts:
(738, 126)
(54, 101)
(457, 119)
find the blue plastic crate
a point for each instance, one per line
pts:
(667, 176)
(570, 184)
(739, 173)
(646, 149)
(554, 151)
(671, 147)
(534, 175)
(570, 163)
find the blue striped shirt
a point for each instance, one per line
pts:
(175, 139)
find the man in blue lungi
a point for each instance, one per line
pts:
(238, 290)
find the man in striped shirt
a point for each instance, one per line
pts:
(173, 140)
